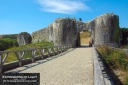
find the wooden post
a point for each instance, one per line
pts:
(42, 53)
(1, 64)
(49, 49)
(33, 52)
(53, 50)
(20, 56)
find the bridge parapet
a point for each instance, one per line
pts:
(34, 55)
(101, 77)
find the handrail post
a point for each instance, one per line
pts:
(64, 48)
(49, 49)
(53, 50)
(61, 49)
(20, 57)
(58, 49)
(33, 52)
(1, 63)
(42, 53)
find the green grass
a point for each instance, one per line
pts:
(126, 81)
(116, 59)
(124, 47)
(36, 45)
(12, 56)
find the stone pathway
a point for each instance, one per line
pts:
(72, 68)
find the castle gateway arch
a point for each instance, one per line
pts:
(63, 31)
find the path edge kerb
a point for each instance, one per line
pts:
(98, 76)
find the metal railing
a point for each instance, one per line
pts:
(33, 52)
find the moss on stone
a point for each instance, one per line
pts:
(117, 32)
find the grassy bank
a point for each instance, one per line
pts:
(12, 56)
(117, 59)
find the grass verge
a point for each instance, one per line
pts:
(117, 59)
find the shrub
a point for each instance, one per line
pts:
(6, 43)
(114, 57)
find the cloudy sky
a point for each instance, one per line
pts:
(31, 15)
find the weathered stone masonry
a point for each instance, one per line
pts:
(66, 31)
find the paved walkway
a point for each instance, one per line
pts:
(72, 68)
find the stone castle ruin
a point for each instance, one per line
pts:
(65, 31)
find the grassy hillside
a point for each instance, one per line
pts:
(35, 45)
(12, 36)
(6, 43)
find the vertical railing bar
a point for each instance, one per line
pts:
(42, 53)
(5, 57)
(34, 52)
(22, 54)
(61, 49)
(48, 52)
(58, 48)
(53, 51)
(20, 58)
(17, 55)
(32, 55)
(1, 64)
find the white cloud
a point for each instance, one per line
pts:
(63, 6)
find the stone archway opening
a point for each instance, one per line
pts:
(85, 37)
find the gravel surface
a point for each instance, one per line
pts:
(72, 68)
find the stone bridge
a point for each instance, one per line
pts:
(59, 65)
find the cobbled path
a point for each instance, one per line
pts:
(72, 68)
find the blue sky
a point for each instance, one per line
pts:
(31, 15)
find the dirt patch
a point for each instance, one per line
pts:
(121, 74)
(85, 37)
(85, 40)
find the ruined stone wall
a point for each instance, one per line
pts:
(65, 31)
(39, 35)
(103, 29)
(24, 38)
(43, 34)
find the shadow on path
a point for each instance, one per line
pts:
(84, 46)
(25, 67)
